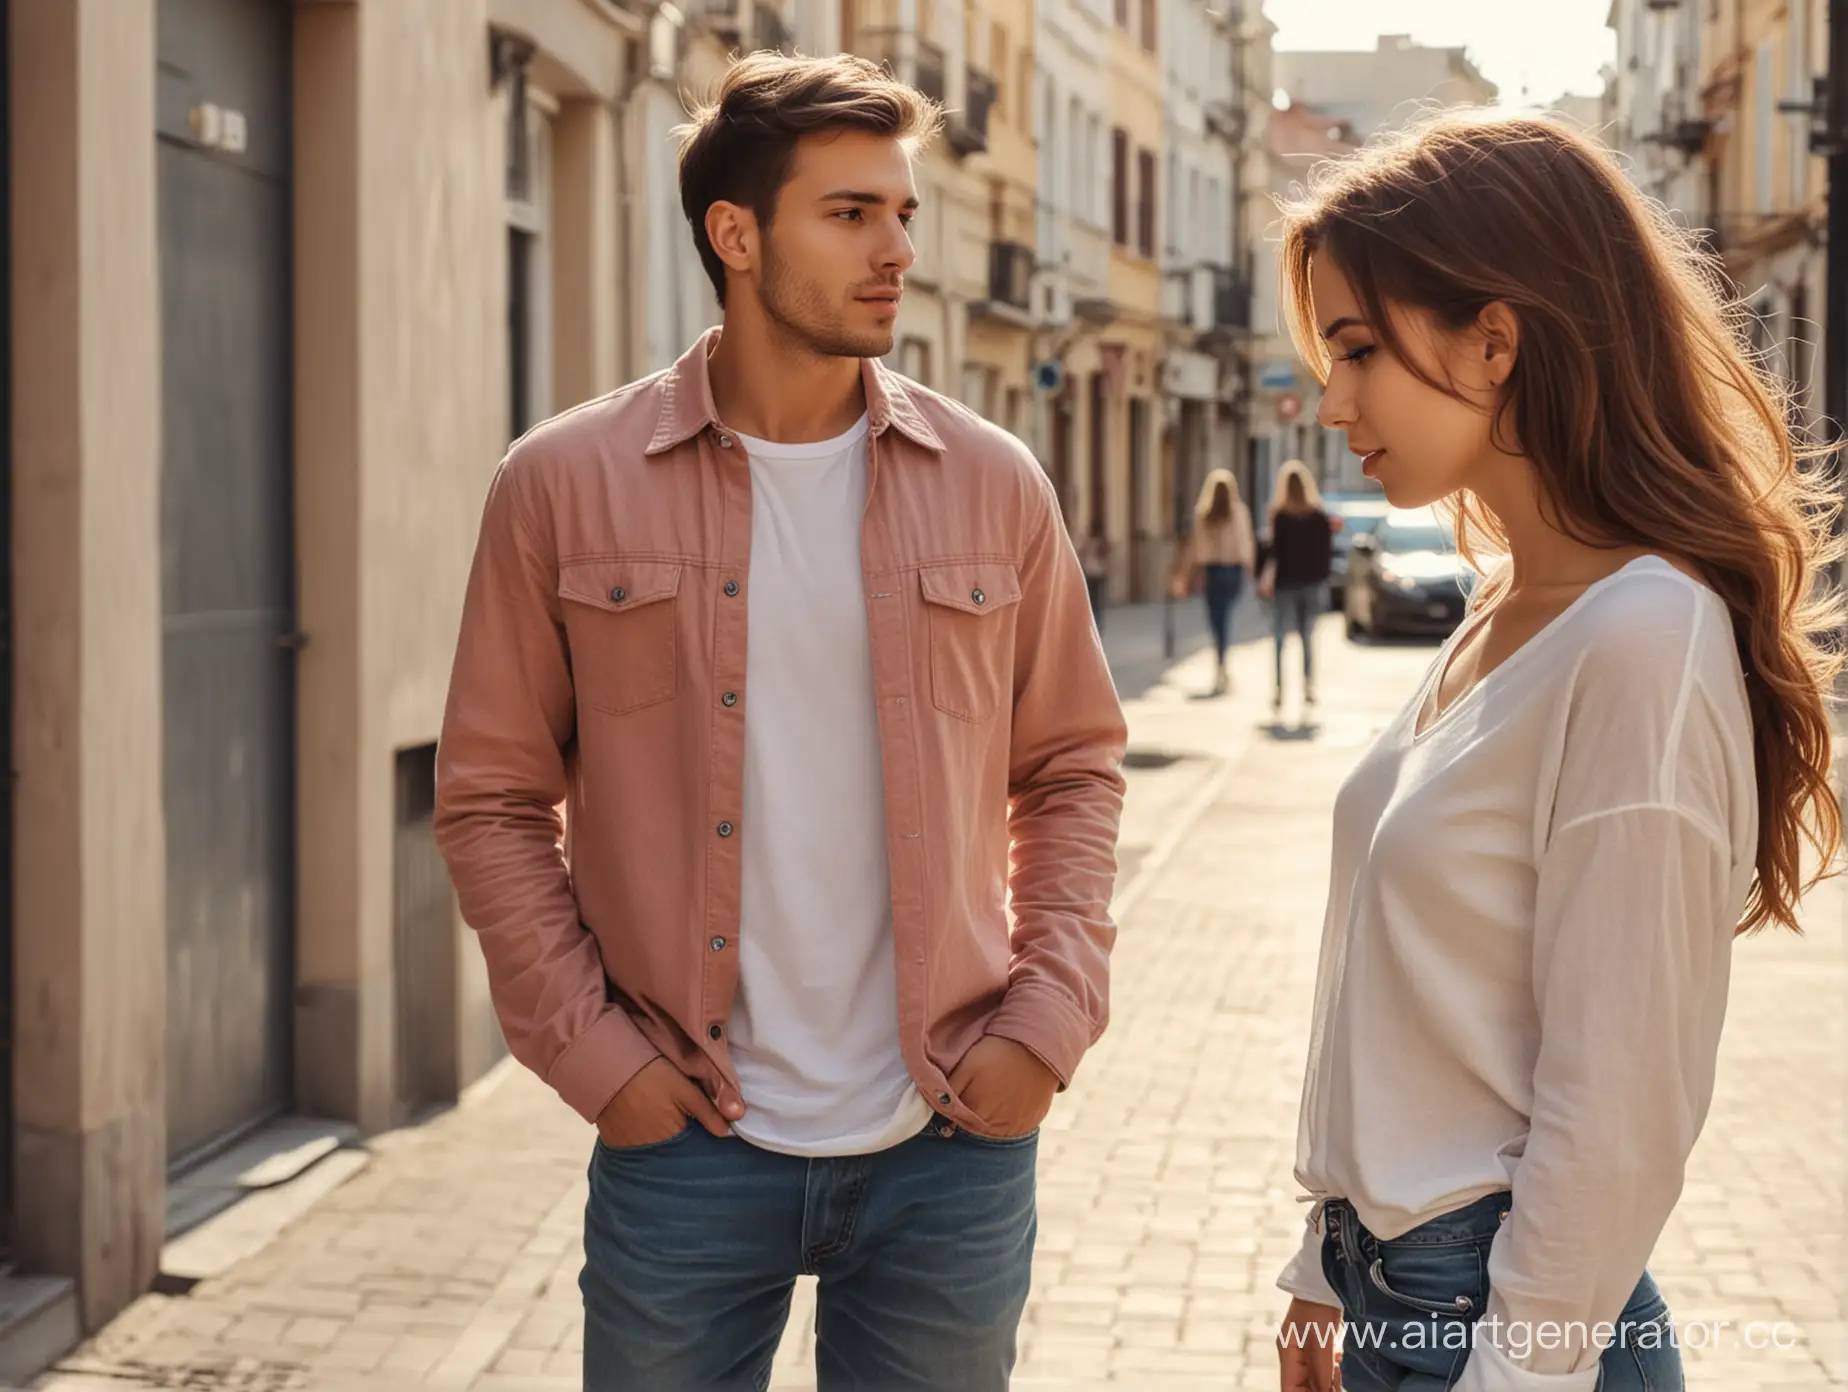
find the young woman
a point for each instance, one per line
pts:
(1610, 771)
(1220, 551)
(1298, 556)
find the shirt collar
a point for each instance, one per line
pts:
(686, 401)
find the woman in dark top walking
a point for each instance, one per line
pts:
(1300, 552)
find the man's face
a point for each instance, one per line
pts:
(832, 262)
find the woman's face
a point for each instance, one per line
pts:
(1421, 444)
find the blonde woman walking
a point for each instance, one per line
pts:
(1219, 554)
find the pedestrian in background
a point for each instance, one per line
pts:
(1218, 555)
(830, 925)
(1616, 765)
(1298, 555)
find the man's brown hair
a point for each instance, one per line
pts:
(739, 146)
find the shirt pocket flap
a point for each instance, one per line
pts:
(981, 587)
(619, 586)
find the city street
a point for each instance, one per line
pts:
(449, 1258)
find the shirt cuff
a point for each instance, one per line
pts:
(1489, 1369)
(599, 1063)
(1304, 1277)
(1056, 1033)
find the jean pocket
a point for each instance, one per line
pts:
(1435, 1279)
(604, 1148)
(998, 1142)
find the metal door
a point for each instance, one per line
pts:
(227, 594)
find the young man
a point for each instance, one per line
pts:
(805, 653)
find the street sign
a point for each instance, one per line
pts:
(1048, 376)
(1277, 376)
(1289, 406)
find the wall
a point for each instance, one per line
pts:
(89, 936)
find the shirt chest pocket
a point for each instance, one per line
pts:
(620, 625)
(971, 610)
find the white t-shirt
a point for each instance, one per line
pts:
(814, 1028)
(1525, 959)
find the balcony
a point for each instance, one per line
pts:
(1226, 119)
(1010, 278)
(931, 69)
(1231, 301)
(968, 129)
(769, 29)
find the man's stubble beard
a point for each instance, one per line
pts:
(800, 308)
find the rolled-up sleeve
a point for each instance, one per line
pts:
(1065, 788)
(500, 779)
(1304, 1275)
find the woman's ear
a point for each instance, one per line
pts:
(1499, 330)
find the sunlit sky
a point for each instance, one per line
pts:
(1533, 52)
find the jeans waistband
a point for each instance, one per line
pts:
(1474, 1220)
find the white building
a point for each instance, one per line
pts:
(1205, 275)
(1386, 86)
(1653, 103)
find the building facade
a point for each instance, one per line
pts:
(1712, 106)
(277, 343)
(1373, 90)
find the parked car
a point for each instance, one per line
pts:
(1354, 514)
(1404, 577)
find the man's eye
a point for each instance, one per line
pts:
(905, 218)
(853, 213)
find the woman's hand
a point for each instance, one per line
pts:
(1306, 1349)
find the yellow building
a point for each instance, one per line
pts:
(1120, 495)
(965, 329)
(1765, 190)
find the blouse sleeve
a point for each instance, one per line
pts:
(1303, 1276)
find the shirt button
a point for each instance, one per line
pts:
(724, 442)
(944, 1098)
(725, 828)
(978, 597)
(730, 698)
(718, 944)
(716, 1031)
(731, 587)
(619, 594)
(946, 1131)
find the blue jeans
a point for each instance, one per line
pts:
(1296, 605)
(1416, 1295)
(1223, 582)
(692, 1248)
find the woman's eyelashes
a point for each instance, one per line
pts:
(1356, 355)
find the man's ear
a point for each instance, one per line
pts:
(733, 232)
(1500, 331)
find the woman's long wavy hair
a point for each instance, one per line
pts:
(1645, 417)
(1295, 484)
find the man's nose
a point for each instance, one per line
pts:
(898, 253)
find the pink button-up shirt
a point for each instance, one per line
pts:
(601, 667)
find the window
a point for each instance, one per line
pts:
(1145, 202)
(1122, 15)
(914, 360)
(997, 68)
(1119, 186)
(1148, 24)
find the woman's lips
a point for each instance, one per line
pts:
(1370, 460)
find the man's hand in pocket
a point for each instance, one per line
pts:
(654, 1106)
(1005, 1084)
